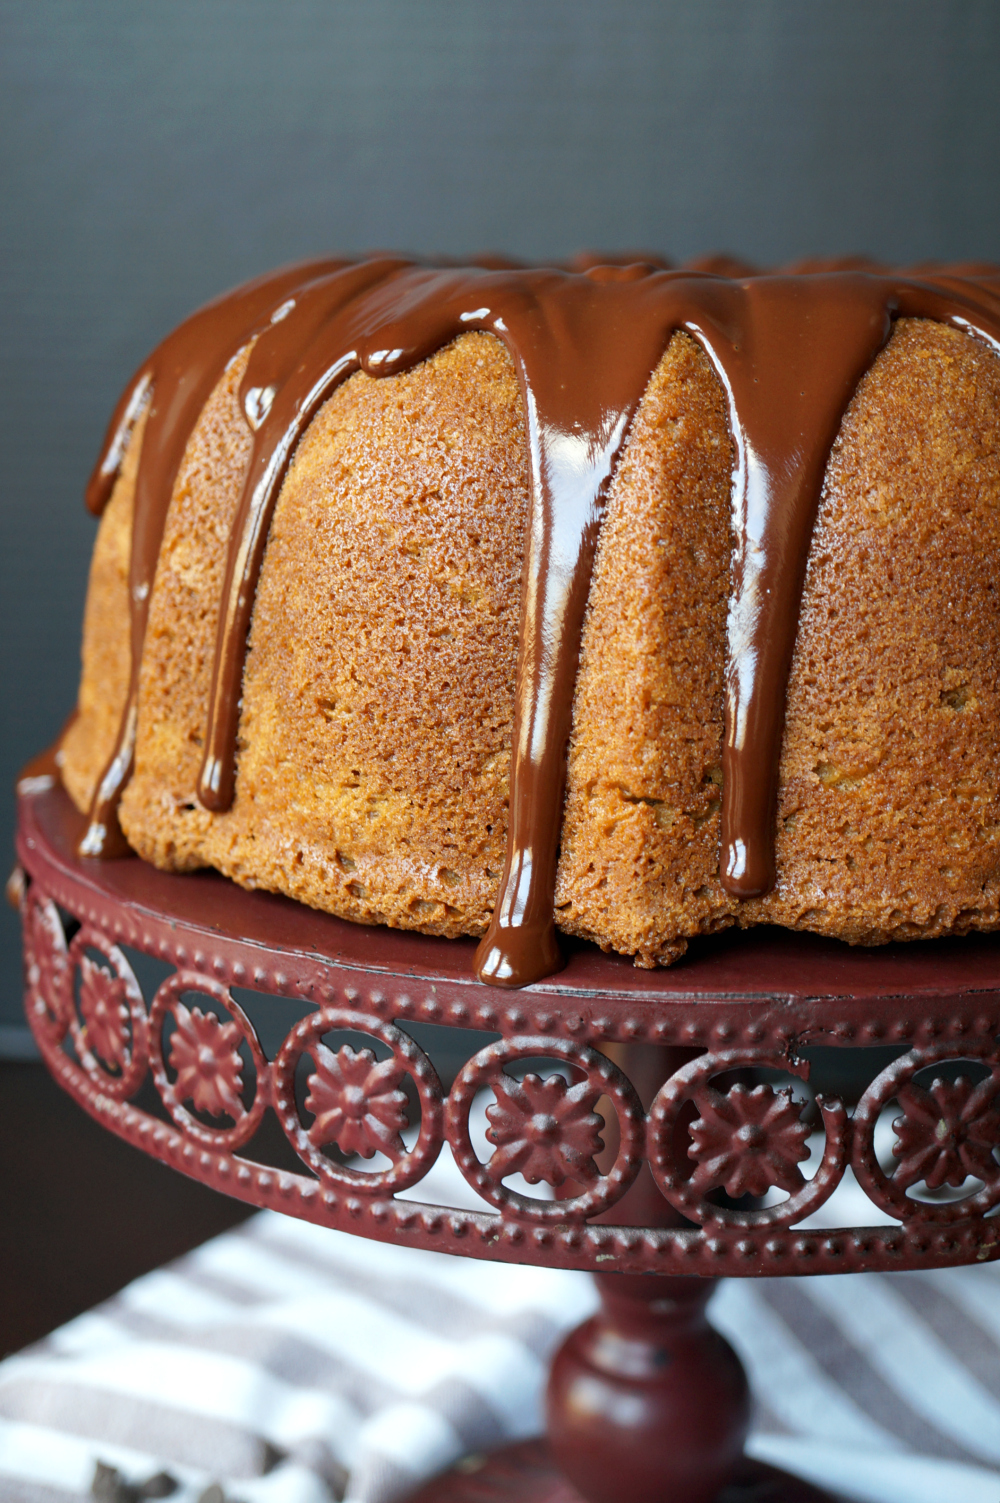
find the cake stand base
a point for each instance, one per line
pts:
(527, 1473)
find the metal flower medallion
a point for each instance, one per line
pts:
(947, 1133)
(544, 1129)
(104, 1008)
(45, 961)
(356, 1102)
(748, 1140)
(204, 1053)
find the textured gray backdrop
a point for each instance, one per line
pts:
(152, 155)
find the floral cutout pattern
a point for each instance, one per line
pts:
(356, 1102)
(746, 1141)
(544, 1129)
(205, 1055)
(104, 1008)
(947, 1133)
(45, 954)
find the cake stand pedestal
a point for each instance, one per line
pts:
(658, 1105)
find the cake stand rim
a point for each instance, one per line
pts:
(762, 965)
(728, 1036)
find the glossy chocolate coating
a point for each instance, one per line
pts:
(789, 348)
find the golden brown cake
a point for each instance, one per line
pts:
(378, 686)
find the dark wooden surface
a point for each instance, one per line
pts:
(81, 1212)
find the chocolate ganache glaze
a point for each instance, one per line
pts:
(789, 349)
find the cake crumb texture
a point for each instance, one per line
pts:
(106, 651)
(375, 729)
(376, 720)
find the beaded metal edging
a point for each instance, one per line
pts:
(743, 1139)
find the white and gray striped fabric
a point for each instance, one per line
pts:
(282, 1363)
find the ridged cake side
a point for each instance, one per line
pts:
(106, 655)
(889, 801)
(640, 851)
(889, 816)
(377, 707)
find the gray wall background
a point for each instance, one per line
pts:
(152, 155)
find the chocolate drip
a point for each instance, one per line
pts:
(175, 383)
(790, 360)
(287, 378)
(789, 349)
(583, 363)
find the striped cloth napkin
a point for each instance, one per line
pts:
(284, 1363)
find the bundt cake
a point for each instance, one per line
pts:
(628, 601)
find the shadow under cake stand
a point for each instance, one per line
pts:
(650, 1126)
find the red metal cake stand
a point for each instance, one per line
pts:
(662, 1122)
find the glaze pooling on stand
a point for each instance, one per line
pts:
(789, 350)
